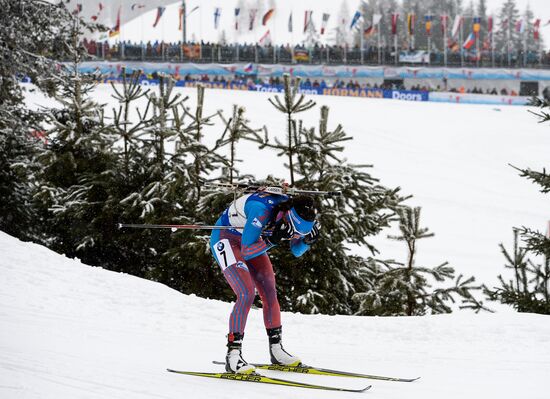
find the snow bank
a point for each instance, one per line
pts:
(74, 331)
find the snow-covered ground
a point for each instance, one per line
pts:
(453, 158)
(68, 330)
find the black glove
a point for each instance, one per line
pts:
(313, 235)
(282, 230)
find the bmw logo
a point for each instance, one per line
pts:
(220, 246)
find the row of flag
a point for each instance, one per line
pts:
(369, 27)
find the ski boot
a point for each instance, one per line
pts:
(276, 350)
(234, 362)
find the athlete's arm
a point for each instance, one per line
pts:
(298, 247)
(252, 243)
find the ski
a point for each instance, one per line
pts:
(303, 369)
(262, 379)
(280, 190)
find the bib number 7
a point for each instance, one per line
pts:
(224, 254)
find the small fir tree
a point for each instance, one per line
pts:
(293, 103)
(529, 291)
(406, 289)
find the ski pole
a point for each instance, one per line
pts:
(175, 227)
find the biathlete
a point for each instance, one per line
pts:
(268, 220)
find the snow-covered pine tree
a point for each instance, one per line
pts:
(77, 165)
(530, 292)
(406, 289)
(326, 278)
(293, 103)
(25, 51)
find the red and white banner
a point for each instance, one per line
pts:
(456, 26)
(394, 19)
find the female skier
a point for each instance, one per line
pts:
(268, 219)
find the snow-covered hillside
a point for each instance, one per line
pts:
(68, 330)
(453, 158)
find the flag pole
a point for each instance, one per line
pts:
(184, 21)
(461, 41)
(379, 43)
(509, 54)
(478, 55)
(525, 47)
(445, 40)
(362, 41)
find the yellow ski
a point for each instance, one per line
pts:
(258, 378)
(303, 369)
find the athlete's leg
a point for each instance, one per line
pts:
(227, 253)
(262, 273)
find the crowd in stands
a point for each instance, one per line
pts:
(321, 84)
(285, 54)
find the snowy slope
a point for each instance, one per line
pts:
(453, 158)
(68, 330)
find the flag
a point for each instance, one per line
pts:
(217, 13)
(476, 26)
(394, 19)
(180, 27)
(355, 18)
(116, 29)
(307, 19)
(428, 20)
(470, 41)
(410, 24)
(444, 23)
(96, 16)
(267, 16)
(547, 23)
(237, 12)
(160, 11)
(324, 23)
(290, 22)
(249, 67)
(137, 6)
(520, 26)
(371, 30)
(376, 18)
(251, 18)
(490, 24)
(192, 11)
(456, 25)
(265, 38)
(536, 27)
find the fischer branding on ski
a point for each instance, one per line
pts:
(259, 378)
(303, 369)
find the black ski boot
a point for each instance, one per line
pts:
(276, 350)
(234, 362)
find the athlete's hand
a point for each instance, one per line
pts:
(282, 231)
(313, 235)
